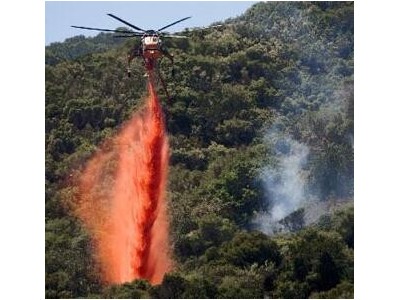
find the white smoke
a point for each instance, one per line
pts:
(284, 182)
(287, 186)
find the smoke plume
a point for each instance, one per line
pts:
(284, 181)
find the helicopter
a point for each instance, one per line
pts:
(151, 48)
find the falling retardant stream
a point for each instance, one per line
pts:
(122, 199)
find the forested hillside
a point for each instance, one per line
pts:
(266, 94)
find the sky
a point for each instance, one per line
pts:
(60, 15)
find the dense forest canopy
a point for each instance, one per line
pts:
(247, 95)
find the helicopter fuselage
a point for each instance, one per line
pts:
(151, 50)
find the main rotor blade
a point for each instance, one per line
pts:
(175, 36)
(126, 36)
(165, 27)
(107, 30)
(205, 28)
(125, 22)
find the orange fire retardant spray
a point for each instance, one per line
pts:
(122, 199)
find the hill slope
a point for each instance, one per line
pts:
(247, 95)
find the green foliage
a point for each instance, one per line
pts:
(341, 222)
(199, 287)
(232, 185)
(344, 290)
(285, 64)
(246, 249)
(212, 231)
(172, 287)
(233, 287)
(70, 271)
(138, 289)
(286, 289)
(78, 46)
(315, 261)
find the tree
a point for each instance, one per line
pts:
(246, 249)
(172, 287)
